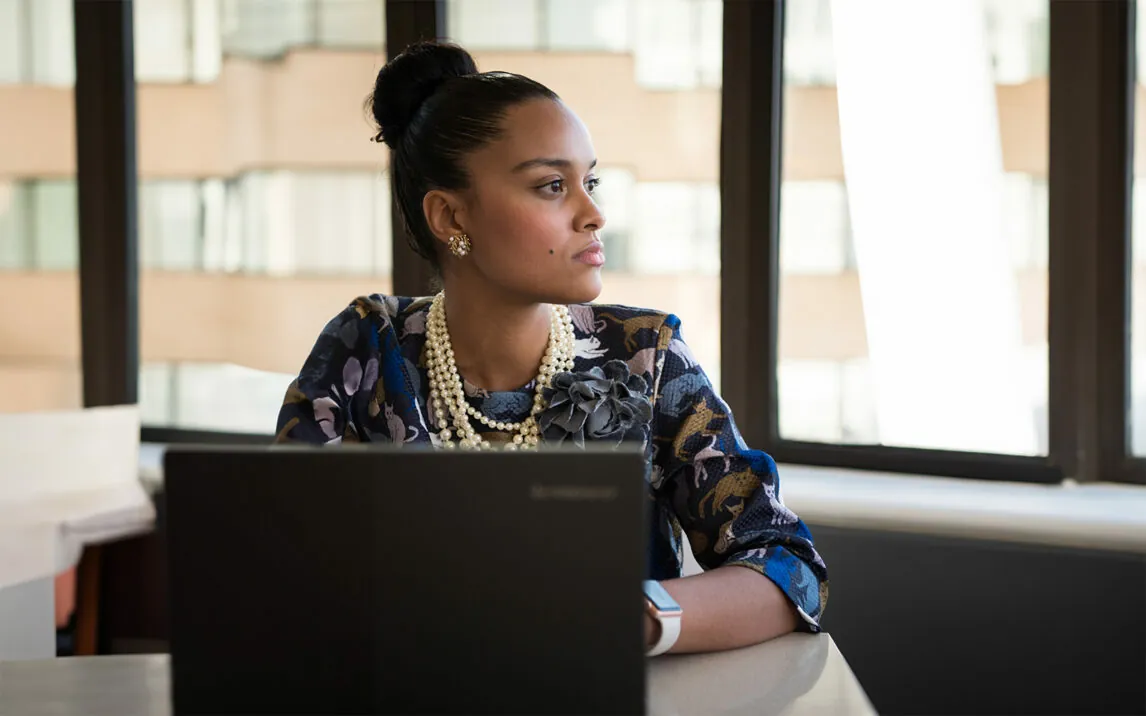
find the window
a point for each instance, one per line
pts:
(927, 245)
(913, 240)
(270, 29)
(182, 42)
(672, 44)
(49, 57)
(351, 24)
(677, 43)
(52, 211)
(268, 215)
(266, 29)
(495, 24)
(601, 25)
(616, 60)
(177, 221)
(186, 40)
(36, 43)
(12, 38)
(39, 349)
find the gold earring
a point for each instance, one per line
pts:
(459, 245)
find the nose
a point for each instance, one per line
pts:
(589, 217)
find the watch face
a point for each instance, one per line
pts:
(659, 597)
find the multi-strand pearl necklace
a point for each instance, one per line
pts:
(447, 395)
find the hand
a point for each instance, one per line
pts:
(652, 631)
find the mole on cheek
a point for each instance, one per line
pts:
(550, 250)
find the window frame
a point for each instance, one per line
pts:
(106, 184)
(1092, 90)
(1092, 84)
(1090, 183)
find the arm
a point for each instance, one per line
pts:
(726, 608)
(763, 576)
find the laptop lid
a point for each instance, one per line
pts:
(358, 580)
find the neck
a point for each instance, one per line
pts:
(498, 343)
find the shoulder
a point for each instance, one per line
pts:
(630, 324)
(635, 335)
(365, 322)
(378, 306)
(383, 312)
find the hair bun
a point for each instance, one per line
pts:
(409, 79)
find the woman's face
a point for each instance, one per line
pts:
(529, 211)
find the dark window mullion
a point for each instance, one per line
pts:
(106, 189)
(750, 149)
(1091, 143)
(408, 21)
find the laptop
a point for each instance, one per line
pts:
(384, 581)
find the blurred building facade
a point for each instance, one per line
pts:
(263, 209)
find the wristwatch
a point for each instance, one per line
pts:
(662, 607)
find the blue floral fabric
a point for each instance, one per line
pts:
(364, 382)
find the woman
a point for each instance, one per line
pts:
(493, 175)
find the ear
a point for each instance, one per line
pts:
(444, 211)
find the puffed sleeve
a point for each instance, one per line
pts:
(726, 495)
(322, 404)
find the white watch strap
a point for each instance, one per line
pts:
(670, 631)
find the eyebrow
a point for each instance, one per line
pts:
(547, 162)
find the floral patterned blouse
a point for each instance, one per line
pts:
(364, 382)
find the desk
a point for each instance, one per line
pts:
(69, 479)
(797, 675)
(39, 538)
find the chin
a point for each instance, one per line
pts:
(585, 290)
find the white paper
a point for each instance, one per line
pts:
(67, 479)
(61, 452)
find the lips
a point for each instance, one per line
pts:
(594, 255)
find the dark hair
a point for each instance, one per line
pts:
(433, 107)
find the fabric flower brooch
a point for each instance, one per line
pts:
(601, 404)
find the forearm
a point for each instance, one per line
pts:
(729, 607)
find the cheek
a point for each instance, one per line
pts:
(526, 230)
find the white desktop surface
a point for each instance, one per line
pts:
(795, 675)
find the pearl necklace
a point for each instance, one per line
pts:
(448, 395)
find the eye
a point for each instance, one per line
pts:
(591, 184)
(557, 186)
